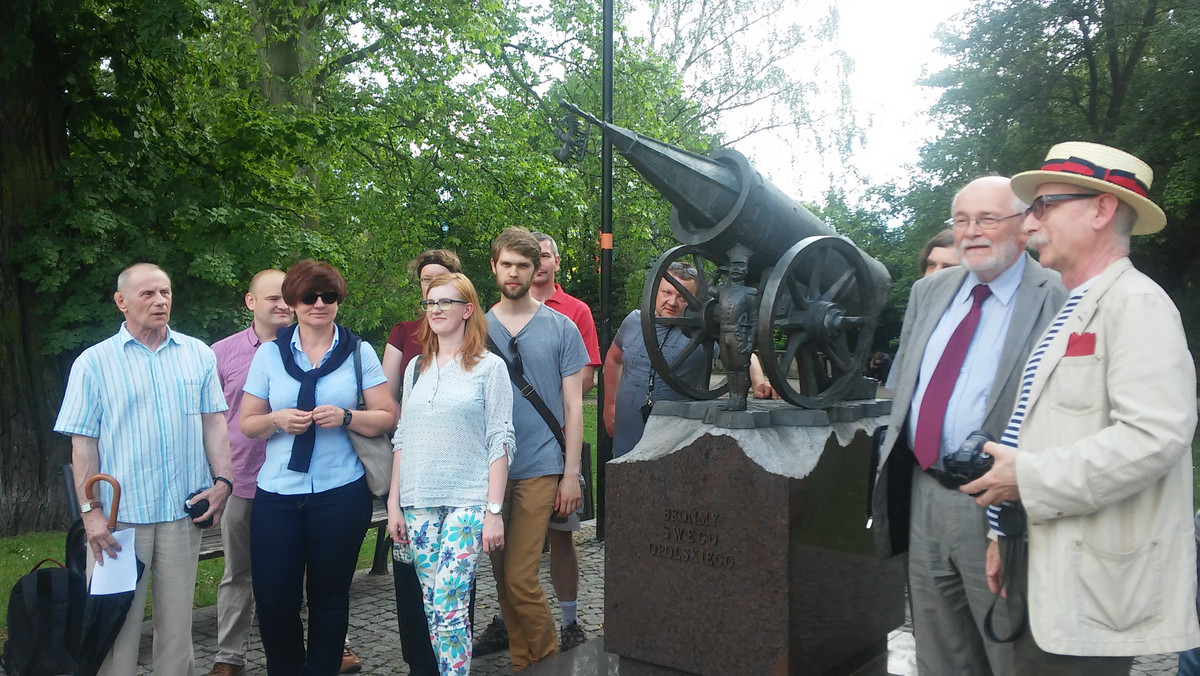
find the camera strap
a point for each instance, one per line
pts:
(1016, 545)
(532, 396)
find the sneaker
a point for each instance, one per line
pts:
(351, 663)
(226, 669)
(491, 640)
(571, 636)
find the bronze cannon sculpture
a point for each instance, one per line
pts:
(818, 295)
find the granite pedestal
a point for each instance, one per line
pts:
(736, 543)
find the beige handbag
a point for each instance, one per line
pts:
(375, 453)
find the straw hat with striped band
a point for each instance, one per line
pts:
(1100, 168)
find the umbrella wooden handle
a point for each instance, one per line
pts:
(116, 499)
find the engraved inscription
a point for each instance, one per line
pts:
(691, 536)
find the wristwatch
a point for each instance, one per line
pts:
(346, 417)
(88, 506)
(495, 507)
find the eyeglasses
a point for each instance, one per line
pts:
(1043, 202)
(330, 297)
(444, 304)
(426, 281)
(985, 222)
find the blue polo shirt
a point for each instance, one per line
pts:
(334, 462)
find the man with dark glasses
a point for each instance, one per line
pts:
(966, 334)
(1098, 448)
(546, 354)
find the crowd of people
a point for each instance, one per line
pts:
(1073, 363)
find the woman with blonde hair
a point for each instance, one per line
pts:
(403, 344)
(452, 451)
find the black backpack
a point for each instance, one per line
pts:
(45, 620)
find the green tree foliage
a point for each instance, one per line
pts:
(1027, 74)
(217, 138)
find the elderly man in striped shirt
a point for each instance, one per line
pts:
(145, 406)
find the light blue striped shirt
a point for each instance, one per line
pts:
(334, 462)
(968, 403)
(144, 407)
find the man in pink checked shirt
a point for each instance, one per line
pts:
(235, 608)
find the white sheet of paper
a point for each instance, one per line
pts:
(119, 574)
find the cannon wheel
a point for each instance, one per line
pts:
(698, 321)
(816, 313)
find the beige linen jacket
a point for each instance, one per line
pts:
(1104, 469)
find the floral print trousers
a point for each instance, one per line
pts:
(446, 542)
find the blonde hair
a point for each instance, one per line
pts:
(474, 332)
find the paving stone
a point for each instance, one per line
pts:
(373, 622)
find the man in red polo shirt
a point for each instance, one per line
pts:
(564, 561)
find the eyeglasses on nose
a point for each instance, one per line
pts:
(1043, 202)
(444, 304)
(330, 297)
(984, 222)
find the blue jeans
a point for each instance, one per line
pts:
(310, 540)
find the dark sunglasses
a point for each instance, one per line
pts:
(330, 297)
(1043, 202)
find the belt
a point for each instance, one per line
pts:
(944, 479)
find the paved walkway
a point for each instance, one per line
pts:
(373, 622)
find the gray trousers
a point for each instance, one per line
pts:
(170, 551)
(235, 598)
(948, 586)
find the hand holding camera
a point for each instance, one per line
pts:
(969, 462)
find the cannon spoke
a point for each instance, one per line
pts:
(696, 340)
(833, 291)
(692, 301)
(838, 354)
(789, 355)
(799, 292)
(817, 271)
(789, 324)
(808, 371)
(697, 322)
(684, 322)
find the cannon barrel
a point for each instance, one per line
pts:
(819, 295)
(722, 200)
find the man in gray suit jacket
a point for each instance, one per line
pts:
(967, 332)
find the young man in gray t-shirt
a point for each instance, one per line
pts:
(543, 480)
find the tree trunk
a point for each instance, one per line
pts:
(33, 143)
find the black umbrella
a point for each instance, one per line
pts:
(104, 614)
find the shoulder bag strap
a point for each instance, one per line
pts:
(531, 394)
(362, 404)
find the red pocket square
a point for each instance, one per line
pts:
(1081, 345)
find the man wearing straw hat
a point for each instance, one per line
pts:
(1098, 449)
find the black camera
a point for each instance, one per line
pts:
(969, 462)
(197, 509)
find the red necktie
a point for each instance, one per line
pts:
(928, 442)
